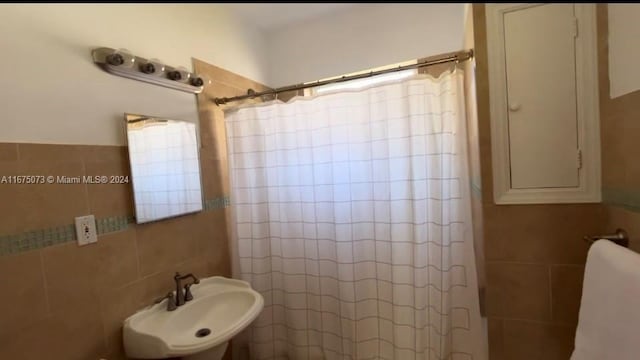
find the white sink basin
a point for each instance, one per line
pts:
(223, 306)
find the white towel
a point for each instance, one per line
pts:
(609, 323)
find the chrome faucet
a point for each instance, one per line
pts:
(184, 296)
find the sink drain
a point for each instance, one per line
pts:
(203, 332)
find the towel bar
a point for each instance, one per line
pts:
(620, 237)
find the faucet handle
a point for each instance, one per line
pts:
(171, 301)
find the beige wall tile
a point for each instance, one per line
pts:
(212, 177)
(212, 132)
(110, 199)
(36, 206)
(157, 285)
(164, 243)
(8, 152)
(620, 131)
(223, 167)
(493, 237)
(209, 130)
(197, 266)
(220, 268)
(566, 292)
(75, 333)
(549, 234)
(81, 274)
(24, 299)
(50, 152)
(518, 291)
(97, 153)
(220, 133)
(525, 340)
(496, 339)
(211, 235)
(115, 306)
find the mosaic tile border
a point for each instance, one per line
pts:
(628, 199)
(38, 239)
(111, 224)
(217, 203)
(476, 188)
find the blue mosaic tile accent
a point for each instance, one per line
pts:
(31, 240)
(627, 199)
(38, 239)
(476, 189)
(115, 223)
(217, 203)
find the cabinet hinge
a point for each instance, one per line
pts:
(579, 159)
(574, 26)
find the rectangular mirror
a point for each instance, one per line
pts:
(165, 167)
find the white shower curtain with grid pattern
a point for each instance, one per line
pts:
(351, 216)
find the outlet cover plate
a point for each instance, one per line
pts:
(86, 230)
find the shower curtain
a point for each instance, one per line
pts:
(351, 216)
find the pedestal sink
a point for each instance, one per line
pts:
(197, 330)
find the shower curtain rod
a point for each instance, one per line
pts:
(457, 57)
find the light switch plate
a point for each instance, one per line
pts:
(86, 230)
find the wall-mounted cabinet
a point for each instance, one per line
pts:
(544, 103)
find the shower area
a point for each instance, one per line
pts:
(353, 211)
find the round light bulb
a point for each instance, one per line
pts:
(152, 66)
(200, 80)
(121, 57)
(179, 74)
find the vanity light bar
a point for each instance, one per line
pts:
(121, 63)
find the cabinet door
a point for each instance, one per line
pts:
(540, 61)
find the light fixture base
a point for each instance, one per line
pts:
(100, 57)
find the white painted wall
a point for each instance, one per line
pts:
(624, 52)
(51, 92)
(361, 37)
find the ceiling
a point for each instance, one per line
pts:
(272, 16)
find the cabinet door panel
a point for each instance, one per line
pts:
(541, 96)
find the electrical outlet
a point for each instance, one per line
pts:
(86, 230)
